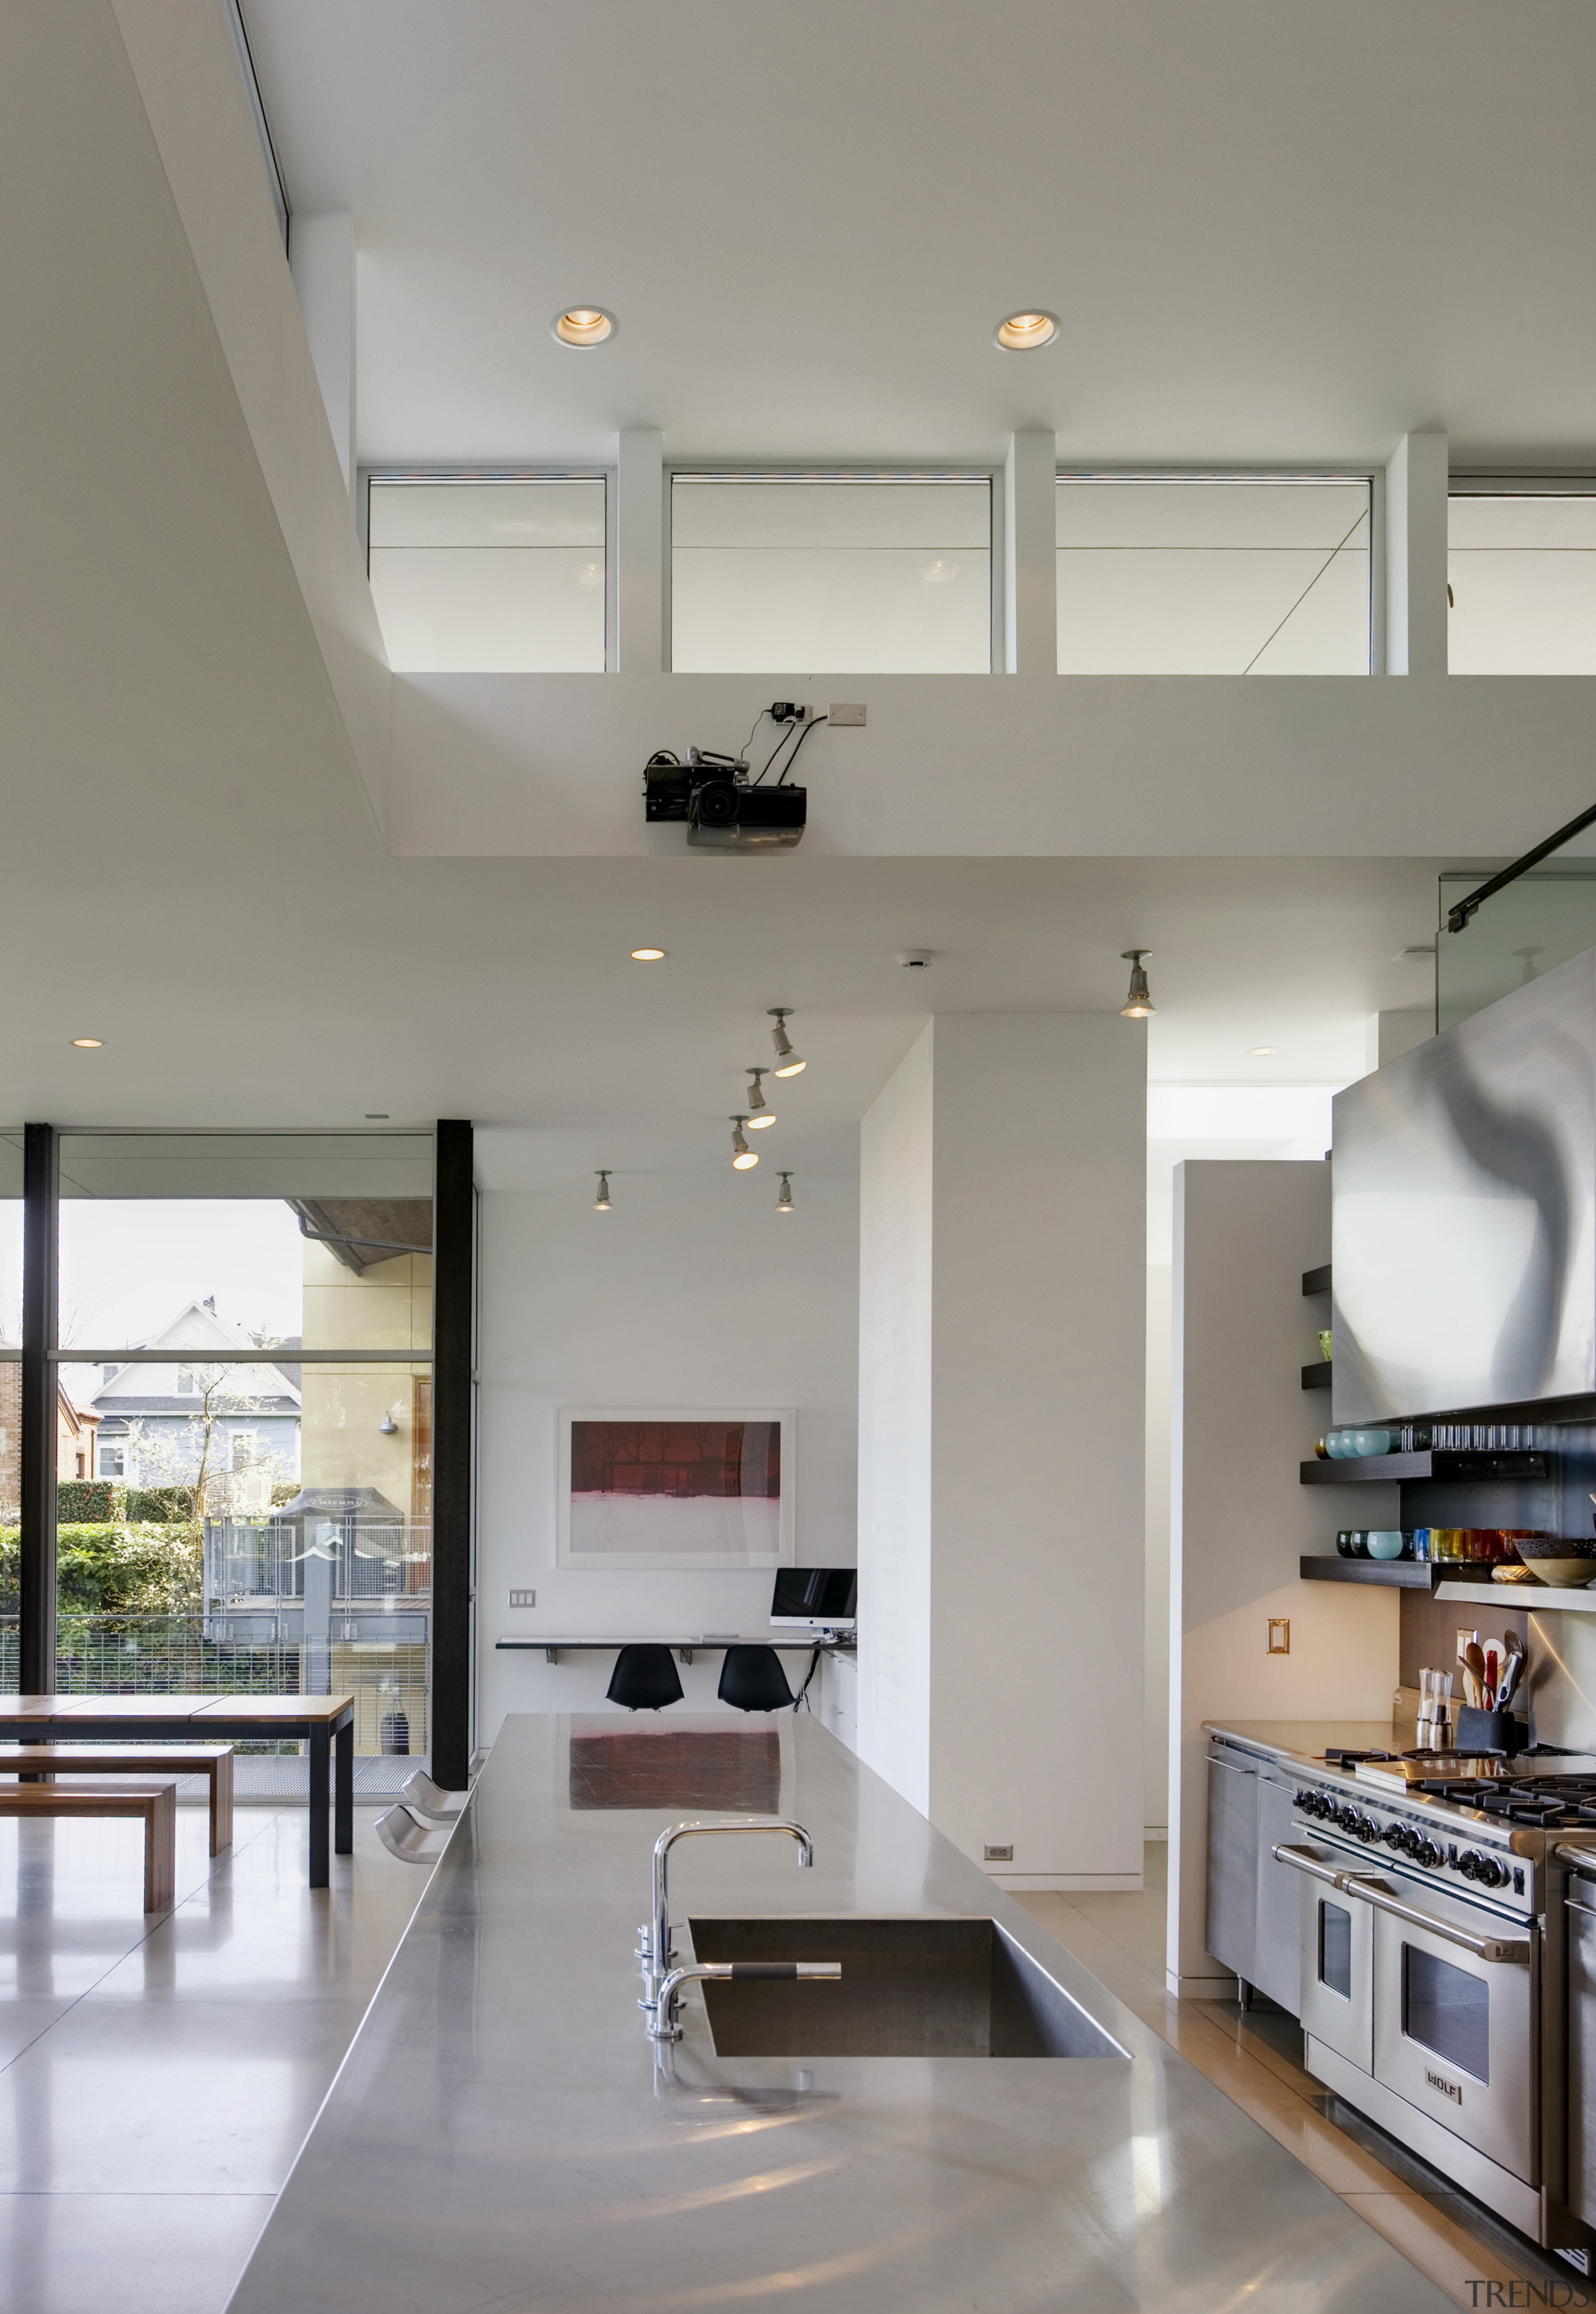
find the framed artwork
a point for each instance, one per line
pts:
(676, 1486)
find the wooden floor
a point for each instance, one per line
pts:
(1255, 2060)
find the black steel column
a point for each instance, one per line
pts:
(37, 1619)
(453, 1293)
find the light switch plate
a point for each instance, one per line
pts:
(1279, 1635)
(524, 1598)
(845, 711)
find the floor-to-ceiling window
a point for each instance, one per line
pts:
(245, 1420)
(11, 1393)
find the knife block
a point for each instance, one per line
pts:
(1490, 1731)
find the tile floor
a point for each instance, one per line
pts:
(1255, 2060)
(158, 2077)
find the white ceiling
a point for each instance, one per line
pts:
(189, 869)
(1271, 234)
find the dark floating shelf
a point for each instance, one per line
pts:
(1316, 1281)
(1394, 1574)
(1381, 1469)
(1316, 1377)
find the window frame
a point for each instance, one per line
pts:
(430, 474)
(1566, 482)
(884, 474)
(1373, 477)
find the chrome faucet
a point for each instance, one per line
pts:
(664, 2026)
(655, 1951)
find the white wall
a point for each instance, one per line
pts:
(691, 1291)
(1155, 1693)
(1241, 1423)
(895, 1428)
(1024, 1542)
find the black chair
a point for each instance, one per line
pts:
(752, 1680)
(644, 1679)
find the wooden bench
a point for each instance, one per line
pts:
(212, 1761)
(155, 1804)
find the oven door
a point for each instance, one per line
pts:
(1455, 2017)
(1338, 1954)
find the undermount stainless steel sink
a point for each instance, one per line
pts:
(909, 1987)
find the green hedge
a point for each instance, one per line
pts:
(144, 1569)
(96, 1501)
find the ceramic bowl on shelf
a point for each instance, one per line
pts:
(1563, 1561)
(1388, 1542)
(1352, 1445)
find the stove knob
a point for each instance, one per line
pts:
(1490, 1873)
(1394, 1836)
(1468, 1864)
(1428, 1854)
(1411, 1842)
(1367, 1828)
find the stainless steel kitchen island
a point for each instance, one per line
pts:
(503, 2134)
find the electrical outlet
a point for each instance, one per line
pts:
(524, 1598)
(1279, 1635)
(991, 1855)
(846, 711)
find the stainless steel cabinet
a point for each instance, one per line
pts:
(1278, 1935)
(1581, 2050)
(1233, 1865)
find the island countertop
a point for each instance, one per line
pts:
(501, 2137)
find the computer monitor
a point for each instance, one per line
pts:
(816, 1598)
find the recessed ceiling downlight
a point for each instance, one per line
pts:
(88, 1043)
(649, 955)
(1023, 333)
(584, 325)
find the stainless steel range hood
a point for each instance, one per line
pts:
(1463, 1240)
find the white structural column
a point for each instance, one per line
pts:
(322, 261)
(1415, 556)
(1002, 1277)
(639, 554)
(1241, 1425)
(1030, 553)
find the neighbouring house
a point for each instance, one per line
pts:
(75, 1438)
(160, 1420)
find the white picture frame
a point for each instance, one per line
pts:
(647, 1525)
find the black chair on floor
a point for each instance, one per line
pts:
(644, 1679)
(752, 1680)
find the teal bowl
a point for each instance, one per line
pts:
(1386, 1543)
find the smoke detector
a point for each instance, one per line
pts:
(916, 959)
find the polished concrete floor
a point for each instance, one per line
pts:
(1255, 2059)
(160, 2075)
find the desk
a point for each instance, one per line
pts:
(784, 1643)
(326, 1721)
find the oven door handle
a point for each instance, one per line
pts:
(1375, 1893)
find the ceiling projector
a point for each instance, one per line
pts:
(724, 810)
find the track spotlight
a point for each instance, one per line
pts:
(784, 1202)
(601, 1203)
(1138, 1004)
(759, 1113)
(741, 1156)
(788, 1063)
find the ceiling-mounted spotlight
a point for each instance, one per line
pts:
(601, 1203)
(1138, 1004)
(760, 1113)
(784, 1202)
(741, 1156)
(1023, 333)
(584, 325)
(788, 1063)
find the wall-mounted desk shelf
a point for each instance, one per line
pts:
(1317, 1376)
(1316, 1281)
(1397, 1574)
(787, 1643)
(1439, 1463)
(1539, 1598)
